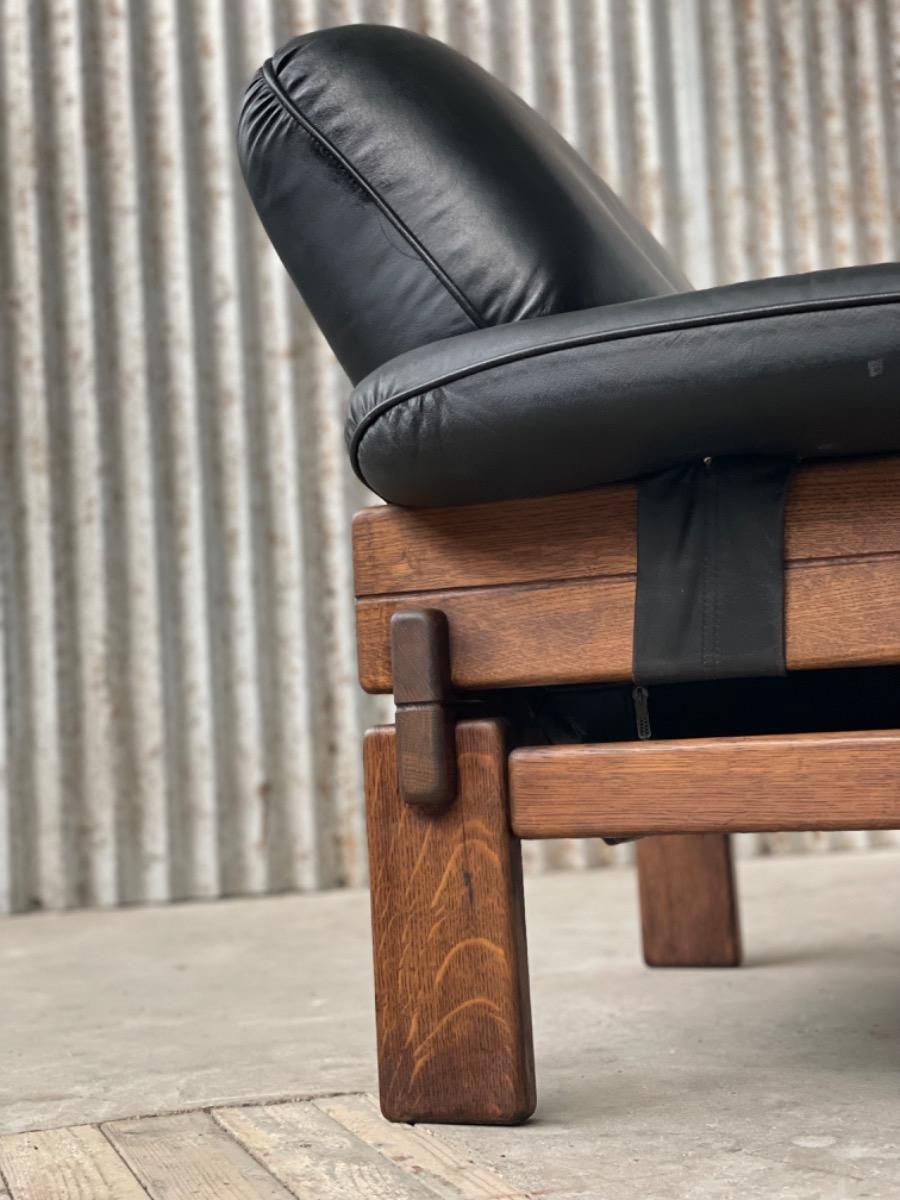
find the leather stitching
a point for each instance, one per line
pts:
(790, 308)
(359, 180)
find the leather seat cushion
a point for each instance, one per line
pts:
(804, 366)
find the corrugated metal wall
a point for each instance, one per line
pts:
(179, 709)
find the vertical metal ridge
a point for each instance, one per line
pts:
(889, 71)
(762, 91)
(10, 821)
(612, 54)
(239, 449)
(41, 805)
(691, 216)
(872, 157)
(800, 197)
(653, 142)
(831, 52)
(70, 68)
(565, 83)
(255, 836)
(138, 653)
(6, 780)
(285, 375)
(197, 292)
(730, 204)
(522, 68)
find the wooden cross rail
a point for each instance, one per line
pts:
(708, 785)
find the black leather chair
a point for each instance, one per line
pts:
(587, 466)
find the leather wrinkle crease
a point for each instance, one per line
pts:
(358, 180)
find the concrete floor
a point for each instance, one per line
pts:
(778, 1080)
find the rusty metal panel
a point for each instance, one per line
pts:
(180, 716)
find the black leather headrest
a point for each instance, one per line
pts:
(413, 197)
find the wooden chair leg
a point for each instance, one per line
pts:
(689, 905)
(451, 975)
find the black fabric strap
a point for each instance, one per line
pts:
(710, 571)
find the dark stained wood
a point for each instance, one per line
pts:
(835, 510)
(448, 927)
(708, 785)
(843, 509)
(576, 535)
(426, 742)
(420, 656)
(508, 637)
(689, 906)
(426, 755)
(837, 614)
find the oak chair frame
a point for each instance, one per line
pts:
(537, 592)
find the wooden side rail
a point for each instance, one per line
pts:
(837, 614)
(542, 591)
(708, 785)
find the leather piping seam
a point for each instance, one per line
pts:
(275, 86)
(592, 339)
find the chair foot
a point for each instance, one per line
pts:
(689, 905)
(451, 974)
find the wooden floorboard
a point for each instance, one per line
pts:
(315, 1156)
(450, 1175)
(66, 1164)
(334, 1148)
(190, 1155)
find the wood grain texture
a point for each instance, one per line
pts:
(420, 656)
(451, 976)
(510, 637)
(708, 785)
(689, 905)
(837, 614)
(448, 1172)
(513, 541)
(841, 614)
(333, 1148)
(66, 1164)
(426, 742)
(191, 1157)
(314, 1156)
(426, 755)
(834, 510)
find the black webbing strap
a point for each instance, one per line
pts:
(710, 571)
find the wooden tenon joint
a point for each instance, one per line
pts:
(426, 737)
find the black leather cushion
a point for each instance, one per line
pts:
(802, 366)
(412, 196)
